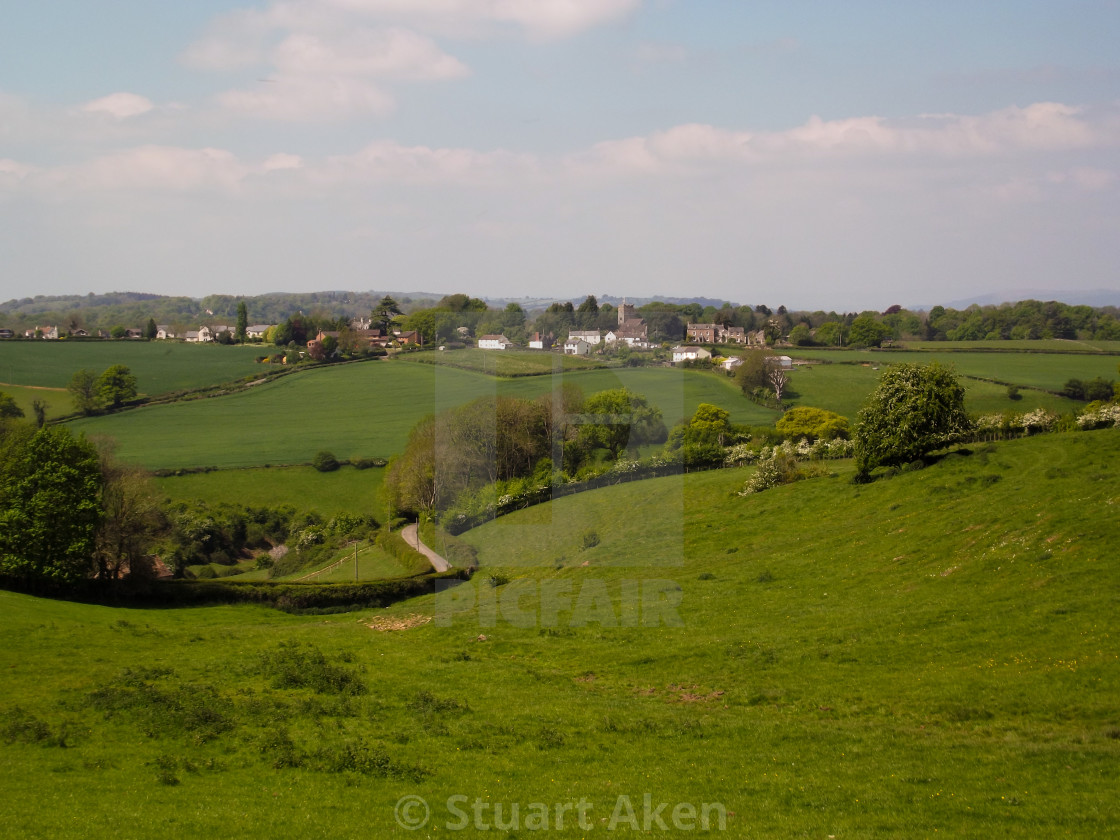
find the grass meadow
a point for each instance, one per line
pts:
(160, 367)
(929, 655)
(365, 410)
(346, 490)
(1049, 371)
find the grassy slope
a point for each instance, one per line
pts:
(363, 410)
(929, 655)
(346, 490)
(160, 366)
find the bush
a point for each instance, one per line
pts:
(325, 461)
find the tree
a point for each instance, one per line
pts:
(754, 372)
(242, 328)
(383, 313)
(118, 331)
(914, 410)
(40, 409)
(778, 380)
(116, 386)
(131, 516)
(8, 407)
(800, 336)
(804, 422)
(867, 332)
(50, 509)
(622, 418)
(587, 313)
(151, 329)
(83, 388)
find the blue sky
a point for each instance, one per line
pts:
(812, 154)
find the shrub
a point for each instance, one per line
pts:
(776, 469)
(325, 461)
(590, 539)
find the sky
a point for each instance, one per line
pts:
(818, 155)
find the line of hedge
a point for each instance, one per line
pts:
(290, 597)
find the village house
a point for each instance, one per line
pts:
(42, 332)
(730, 364)
(164, 332)
(494, 342)
(590, 336)
(681, 353)
(257, 330)
(6, 333)
(411, 337)
(540, 342)
(576, 347)
(716, 334)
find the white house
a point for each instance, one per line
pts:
(784, 362)
(494, 342)
(257, 330)
(590, 336)
(576, 347)
(538, 341)
(191, 335)
(164, 331)
(731, 363)
(689, 354)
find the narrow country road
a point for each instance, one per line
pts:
(410, 537)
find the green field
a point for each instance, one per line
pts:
(1056, 345)
(508, 363)
(346, 490)
(1049, 371)
(929, 655)
(365, 410)
(160, 367)
(58, 400)
(844, 387)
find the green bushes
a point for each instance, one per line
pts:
(394, 544)
(325, 461)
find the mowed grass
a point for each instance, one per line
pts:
(929, 655)
(366, 410)
(160, 367)
(346, 490)
(1049, 371)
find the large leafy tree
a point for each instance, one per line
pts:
(621, 418)
(116, 386)
(83, 388)
(384, 312)
(8, 407)
(50, 509)
(915, 409)
(805, 422)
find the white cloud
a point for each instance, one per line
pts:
(158, 168)
(1039, 128)
(302, 99)
(537, 18)
(281, 161)
(391, 162)
(390, 53)
(120, 105)
(14, 169)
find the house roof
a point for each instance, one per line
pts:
(495, 338)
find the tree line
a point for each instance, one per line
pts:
(440, 321)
